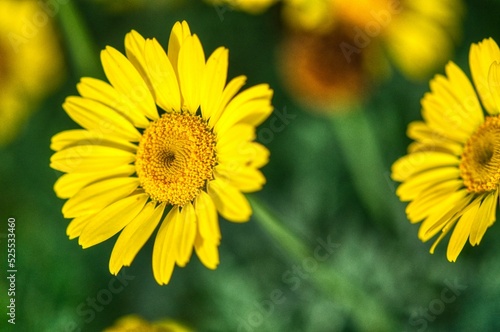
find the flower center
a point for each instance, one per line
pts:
(175, 158)
(480, 164)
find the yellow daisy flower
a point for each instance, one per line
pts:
(333, 42)
(136, 323)
(190, 158)
(31, 62)
(451, 174)
(417, 35)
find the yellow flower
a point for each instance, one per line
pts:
(313, 68)
(130, 164)
(30, 62)
(417, 35)
(250, 6)
(356, 41)
(451, 174)
(134, 323)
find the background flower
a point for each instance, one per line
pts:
(30, 63)
(364, 39)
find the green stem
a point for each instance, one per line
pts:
(82, 49)
(275, 228)
(368, 314)
(362, 153)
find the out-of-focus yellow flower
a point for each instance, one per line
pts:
(363, 37)
(312, 68)
(134, 323)
(30, 62)
(250, 6)
(451, 175)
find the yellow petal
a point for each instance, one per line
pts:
(207, 252)
(77, 137)
(251, 106)
(441, 114)
(77, 225)
(461, 233)
(245, 179)
(494, 84)
(481, 56)
(240, 153)
(424, 205)
(237, 134)
(99, 118)
(208, 223)
(214, 81)
(229, 92)
(417, 162)
(435, 139)
(412, 186)
(134, 49)
(91, 88)
(116, 261)
(111, 220)
(134, 236)
(97, 196)
(69, 184)
(187, 234)
(89, 158)
(191, 66)
(470, 111)
(230, 202)
(179, 33)
(441, 236)
(165, 247)
(125, 78)
(484, 217)
(453, 105)
(260, 155)
(163, 77)
(452, 207)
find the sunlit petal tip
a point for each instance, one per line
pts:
(230, 202)
(163, 77)
(494, 85)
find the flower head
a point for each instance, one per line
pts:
(347, 44)
(451, 174)
(30, 63)
(167, 136)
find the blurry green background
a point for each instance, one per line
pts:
(310, 188)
